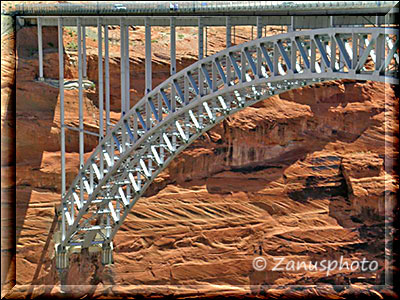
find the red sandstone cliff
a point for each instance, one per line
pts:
(306, 175)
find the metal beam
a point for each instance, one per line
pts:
(200, 28)
(302, 22)
(291, 27)
(148, 56)
(80, 83)
(62, 136)
(259, 27)
(173, 45)
(127, 70)
(206, 40)
(107, 77)
(122, 65)
(228, 32)
(100, 81)
(81, 133)
(40, 48)
(84, 59)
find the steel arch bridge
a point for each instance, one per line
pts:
(173, 115)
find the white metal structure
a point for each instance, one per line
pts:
(170, 117)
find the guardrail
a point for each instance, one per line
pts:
(195, 7)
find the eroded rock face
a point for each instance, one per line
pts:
(305, 175)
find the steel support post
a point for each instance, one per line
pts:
(173, 45)
(292, 26)
(378, 21)
(80, 83)
(107, 77)
(201, 38)
(259, 56)
(355, 52)
(100, 90)
(107, 253)
(206, 40)
(40, 48)
(62, 259)
(333, 54)
(100, 82)
(148, 55)
(259, 27)
(312, 55)
(228, 32)
(379, 52)
(228, 44)
(84, 63)
(127, 93)
(122, 66)
(362, 45)
(61, 91)
(173, 65)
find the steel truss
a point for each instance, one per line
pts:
(173, 115)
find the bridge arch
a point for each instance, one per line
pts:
(172, 116)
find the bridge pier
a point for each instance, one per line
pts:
(107, 253)
(62, 258)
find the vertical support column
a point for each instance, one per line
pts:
(259, 27)
(84, 64)
(173, 66)
(377, 21)
(379, 51)
(361, 45)
(228, 32)
(293, 56)
(61, 91)
(228, 44)
(80, 83)
(148, 55)
(275, 60)
(201, 38)
(292, 26)
(206, 41)
(100, 83)
(259, 57)
(333, 54)
(313, 54)
(173, 45)
(127, 71)
(40, 48)
(107, 77)
(122, 66)
(147, 42)
(100, 89)
(355, 51)
(332, 21)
